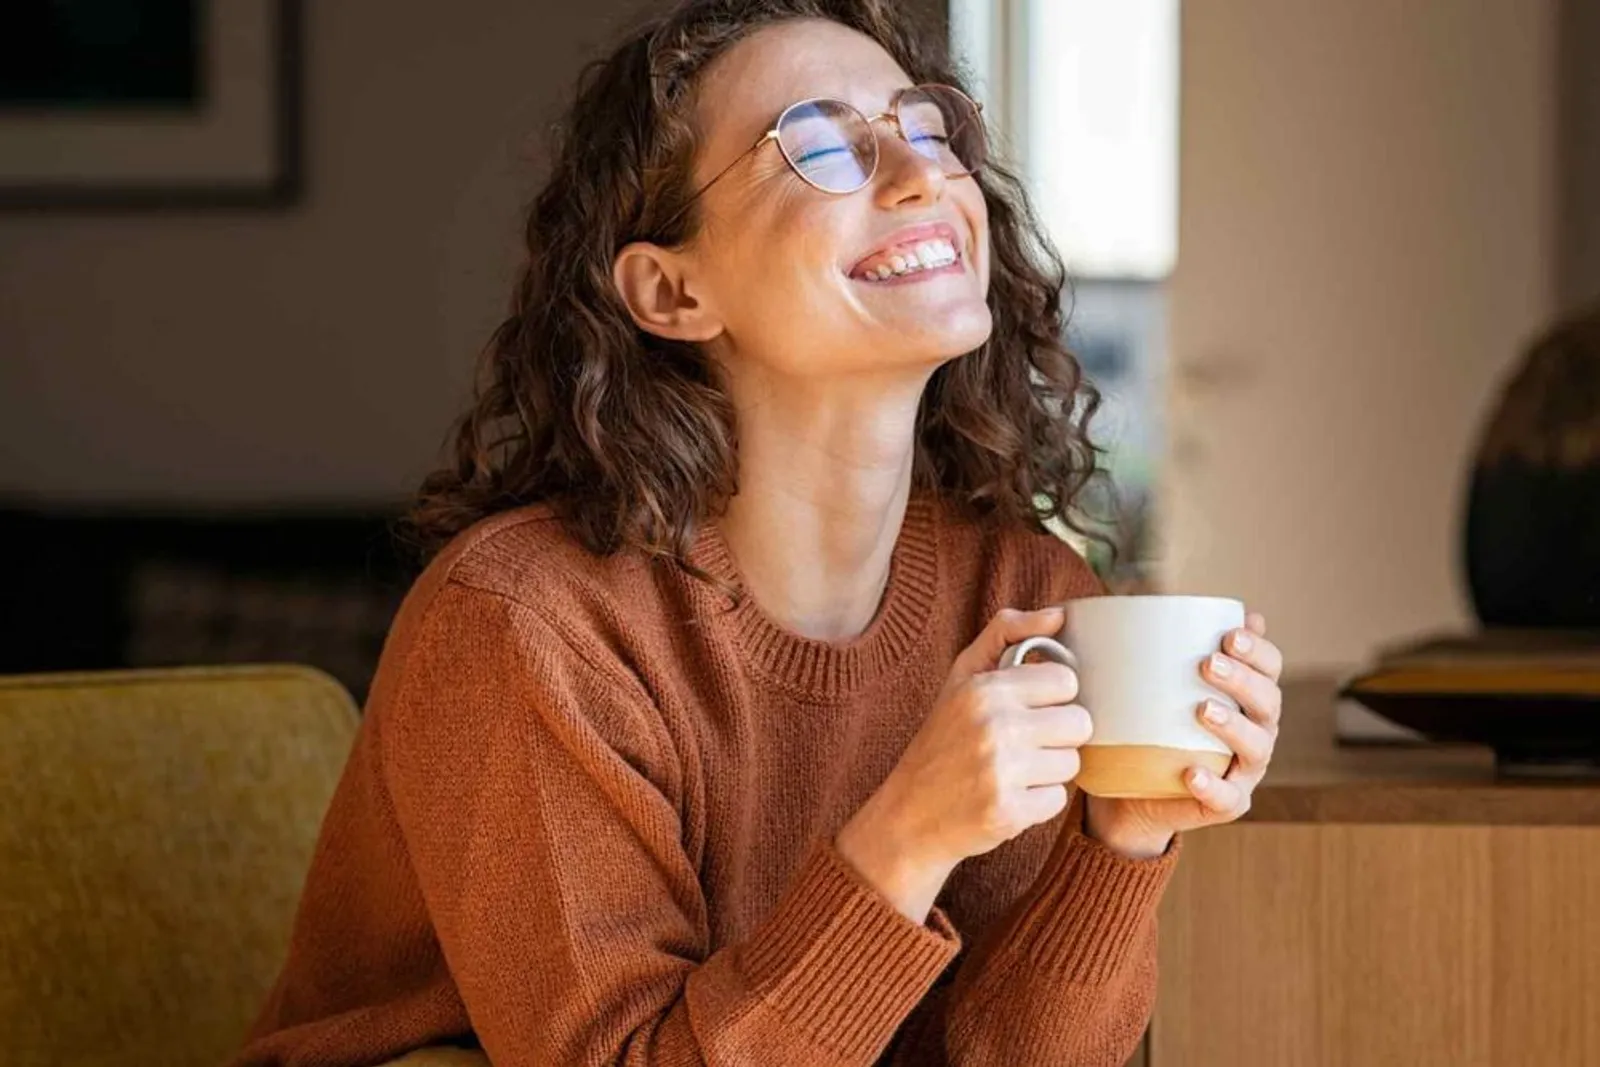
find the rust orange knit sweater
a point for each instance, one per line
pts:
(589, 818)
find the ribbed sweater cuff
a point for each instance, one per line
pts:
(1085, 925)
(837, 958)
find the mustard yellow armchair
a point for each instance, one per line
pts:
(155, 830)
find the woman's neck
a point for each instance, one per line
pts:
(823, 486)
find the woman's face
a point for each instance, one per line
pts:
(784, 267)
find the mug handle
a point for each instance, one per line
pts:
(1047, 646)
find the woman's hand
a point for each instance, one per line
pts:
(992, 759)
(1247, 668)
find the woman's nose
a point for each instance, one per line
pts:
(904, 174)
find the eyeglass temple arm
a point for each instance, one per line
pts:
(770, 135)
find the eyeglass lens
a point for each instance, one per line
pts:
(830, 144)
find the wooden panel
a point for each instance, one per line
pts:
(1302, 946)
(1238, 950)
(1546, 947)
(1404, 940)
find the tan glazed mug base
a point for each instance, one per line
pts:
(1143, 772)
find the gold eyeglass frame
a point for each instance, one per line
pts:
(892, 116)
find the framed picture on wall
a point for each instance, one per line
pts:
(160, 103)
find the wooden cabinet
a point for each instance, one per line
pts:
(1385, 907)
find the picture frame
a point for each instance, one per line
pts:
(193, 116)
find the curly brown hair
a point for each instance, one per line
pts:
(630, 438)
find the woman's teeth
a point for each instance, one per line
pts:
(929, 255)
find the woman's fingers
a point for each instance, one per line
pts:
(1247, 669)
(1254, 650)
(1250, 741)
(1219, 796)
(1032, 685)
(1042, 803)
(1050, 766)
(1058, 726)
(1007, 628)
(1256, 693)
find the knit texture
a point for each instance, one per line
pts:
(589, 820)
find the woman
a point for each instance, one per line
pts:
(690, 746)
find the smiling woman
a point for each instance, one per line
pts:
(692, 745)
(627, 431)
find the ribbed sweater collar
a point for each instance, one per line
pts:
(827, 670)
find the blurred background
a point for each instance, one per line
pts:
(249, 250)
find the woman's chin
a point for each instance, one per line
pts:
(922, 356)
(945, 338)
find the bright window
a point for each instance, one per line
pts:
(1082, 98)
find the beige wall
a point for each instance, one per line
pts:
(1579, 238)
(311, 354)
(1366, 241)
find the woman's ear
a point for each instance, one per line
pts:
(662, 293)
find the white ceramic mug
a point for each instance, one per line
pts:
(1138, 660)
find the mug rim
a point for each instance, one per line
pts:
(1135, 597)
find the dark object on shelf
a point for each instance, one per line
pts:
(1533, 514)
(108, 589)
(1533, 696)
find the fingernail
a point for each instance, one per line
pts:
(1242, 641)
(1200, 776)
(1220, 666)
(1214, 713)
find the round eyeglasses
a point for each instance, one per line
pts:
(832, 146)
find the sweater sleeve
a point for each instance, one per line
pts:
(537, 793)
(1068, 976)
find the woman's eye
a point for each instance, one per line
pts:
(812, 155)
